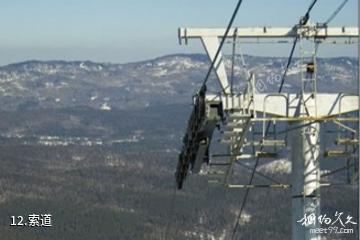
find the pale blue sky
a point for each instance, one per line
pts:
(129, 30)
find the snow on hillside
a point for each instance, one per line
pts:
(165, 80)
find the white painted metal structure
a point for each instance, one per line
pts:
(210, 39)
(306, 110)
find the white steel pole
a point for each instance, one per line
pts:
(305, 146)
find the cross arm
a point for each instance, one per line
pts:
(269, 32)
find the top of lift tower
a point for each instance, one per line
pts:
(238, 116)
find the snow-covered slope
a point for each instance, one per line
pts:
(165, 80)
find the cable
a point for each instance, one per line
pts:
(172, 208)
(303, 21)
(248, 189)
(288, 64)
(297, 127)
(262, 146)
(203, 87)
(306, 17)
(336, 12)
(258, 173)
(311, 6)
(332, 16)
(338, 170)
(342, 168)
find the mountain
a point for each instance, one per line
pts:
(96, 145)
(165, 80)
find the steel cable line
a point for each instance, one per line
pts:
(306, 17)
(355, 149)
(311, 7)
(338, 170)
(203, 87)
(172, 209)
(258, 173)
(332, 16)
(288, 64)
(261, 148)
(248, 189)
(303, 21)
(297, 127)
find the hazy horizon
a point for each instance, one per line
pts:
(128, 31)
(155, 57)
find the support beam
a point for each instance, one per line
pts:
(211, 45)
(285, 104)
(268, 32)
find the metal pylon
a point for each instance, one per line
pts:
(240, 111)
(308, 69)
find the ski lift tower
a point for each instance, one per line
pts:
(234, 113)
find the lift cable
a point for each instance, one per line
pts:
(333, 15)
(242, 206)
(311, 7)
(298, 127)
(303, 21)
(346, 167)
(242, 59)
(338, 170)
(172, 209)
(203, 87)
(288, 64)
(336, 12)
(258, 173)
(306, 17)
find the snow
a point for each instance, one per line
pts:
(160, 64)
(245, 218)
(282, 166)
(160, 72)
(83, 66)
(49, 84)
(67, 141)
(293, 71)
(179, 63)
(105, 107)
